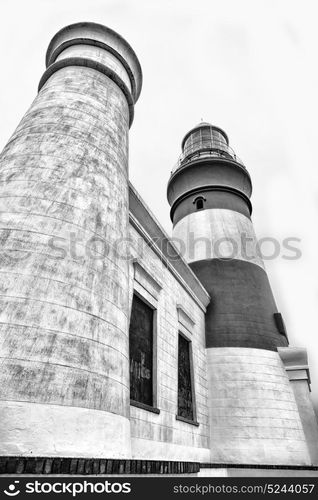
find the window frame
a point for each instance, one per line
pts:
(193, 421)
(152, 305)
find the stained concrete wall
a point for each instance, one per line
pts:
(254, 414)
(64, 379)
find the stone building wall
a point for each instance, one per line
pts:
(158, 436)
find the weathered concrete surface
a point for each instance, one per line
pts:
(254, 417)
(63, 320)
(217, 233)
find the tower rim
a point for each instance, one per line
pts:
(100, 35)
(203, 160)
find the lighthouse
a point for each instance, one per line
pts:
(252, 407)
(123, 350)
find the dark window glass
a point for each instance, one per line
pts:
(140, 352)
(185, 400)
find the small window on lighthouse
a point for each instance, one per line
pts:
(199, 202)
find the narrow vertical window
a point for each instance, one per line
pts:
(185, 389)
(141, 352)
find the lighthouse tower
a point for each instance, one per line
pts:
(254, 416)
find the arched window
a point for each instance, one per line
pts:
(199, 202)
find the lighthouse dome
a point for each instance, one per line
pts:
(204, 135)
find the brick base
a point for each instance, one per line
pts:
(91, 466)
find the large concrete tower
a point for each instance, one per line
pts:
(64, 386)
(253, 412)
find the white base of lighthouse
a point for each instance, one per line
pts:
(254, 417)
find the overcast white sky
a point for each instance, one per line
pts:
(249, 66)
